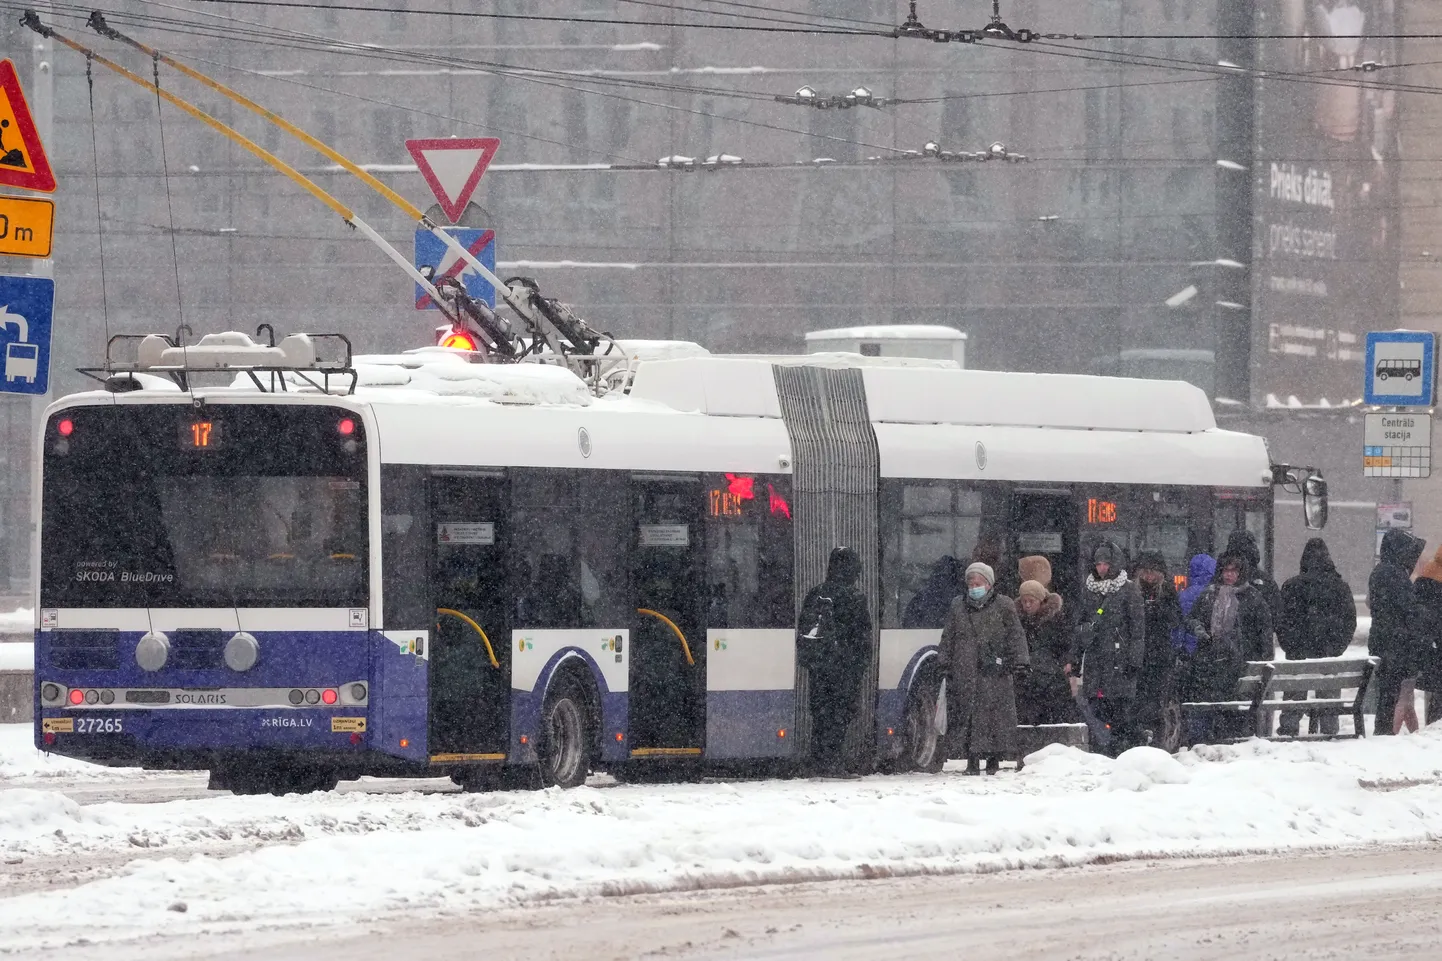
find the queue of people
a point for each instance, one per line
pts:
(1134, 645)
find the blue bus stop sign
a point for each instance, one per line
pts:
(1401, 369)
(431, 251)
(27, 305)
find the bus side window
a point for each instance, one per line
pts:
(572, 530)
(749, 550)
(407, 543)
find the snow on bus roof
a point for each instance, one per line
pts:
(888, 332)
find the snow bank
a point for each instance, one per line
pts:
(21, 762)
(358, 857)
(17, 655)
(21, 621)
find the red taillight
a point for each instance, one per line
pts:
(77, 697)
(66, 427)
(328, 696)
(346, 427)
(49, 737)
(459, 339)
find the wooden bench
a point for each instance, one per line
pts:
(1033, 737)
(1261, 686)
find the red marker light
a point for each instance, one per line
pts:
(66, 427)
(49, 737)
(744, 488)
(77, 697)
(346, 427)
(328, 696)
(779, 507)
(459, 339)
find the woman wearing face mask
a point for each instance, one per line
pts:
(983, 648)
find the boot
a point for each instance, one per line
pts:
(973, 767)
(993, 765)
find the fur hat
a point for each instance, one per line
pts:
(1432, 570)
(1035, 568)
(1034, 589)
(984, 570)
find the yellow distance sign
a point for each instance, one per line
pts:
(58, 725)
(26, 226)
(347, 725)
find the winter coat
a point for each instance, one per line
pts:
(1429, 599)
(1043, 696)
(834, 628)
(1319, 616)
(1392, 599)
(1219, 661)
(1109, 645)
(1200, 571)
(1244, 542)
(982, 649)
(1163, 617)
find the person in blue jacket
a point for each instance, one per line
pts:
(1200, 571)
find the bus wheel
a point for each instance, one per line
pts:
(565, 736)
(921, 744)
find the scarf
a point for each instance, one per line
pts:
(1224, 614)
(1109, 586)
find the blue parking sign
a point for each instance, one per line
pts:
(1401, 368)
(431, 251)
(27, 305)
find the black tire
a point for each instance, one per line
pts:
(1409, 378)
(922, 747)
(566, 742)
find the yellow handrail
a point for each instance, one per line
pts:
(676, 630)
(490, 651)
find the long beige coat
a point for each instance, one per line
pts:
(980, 695)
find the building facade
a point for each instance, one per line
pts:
(1141, 236)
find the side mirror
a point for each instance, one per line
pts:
(1314, 502)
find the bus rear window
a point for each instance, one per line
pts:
(243, 505)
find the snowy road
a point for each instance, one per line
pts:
(1378, 905)
(152, 864)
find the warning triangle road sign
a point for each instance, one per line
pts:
(453, 168)
(22, 158)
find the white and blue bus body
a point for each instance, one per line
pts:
(486, 572)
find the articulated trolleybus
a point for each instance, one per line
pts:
(423, 565)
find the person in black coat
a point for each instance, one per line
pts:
(1318, 619)
(1396, 622)
(834, 644)
(1244, 542)
(1159, 661)
(1108, 646)
(1232, 622)
(930, 606)
(1429, 595)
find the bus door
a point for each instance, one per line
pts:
(1044, 522)
(470, 657)
(668, 594)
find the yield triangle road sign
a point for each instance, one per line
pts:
(453, 168)
(22, 158)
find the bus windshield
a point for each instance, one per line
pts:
(243, 505)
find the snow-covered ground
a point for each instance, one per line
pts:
(224, 863)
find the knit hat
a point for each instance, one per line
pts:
(1035, 568)
(1033, 589)
(984, 570)
(1104, 554)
